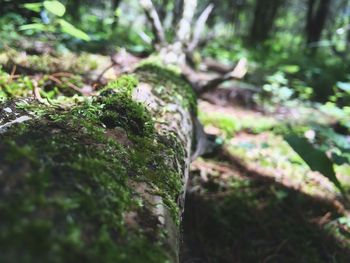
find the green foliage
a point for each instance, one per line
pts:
(10, 88)
(51, 22)
(168, 84)
(55, 7)
(9, 33)
(49, 86)
(231, 125)
(315, 158)
(68, 28)
(276, 91)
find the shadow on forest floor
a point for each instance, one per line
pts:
(236, 215)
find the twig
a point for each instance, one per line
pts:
(62, 74)
(213, 65)
(13, 71)
(145, 37)
(237, 73)
(199, 27)
(36, 91)
(277, 250)
(17, 76)
(74, 87)
(69, 84)
(99, 77)
(55, 79)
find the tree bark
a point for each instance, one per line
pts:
(317, 13)
(101, 182)
(264, 17)
(73, 8)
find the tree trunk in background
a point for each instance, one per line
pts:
(264, 17)
(73, 8)
(239, 7)
(101, 182)
(317, 13)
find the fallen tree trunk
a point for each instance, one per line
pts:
(101, 182)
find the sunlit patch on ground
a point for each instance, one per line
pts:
(258, 201)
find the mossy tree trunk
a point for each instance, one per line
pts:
(101, 182)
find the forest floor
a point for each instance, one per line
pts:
(256, 201)
(253, 201)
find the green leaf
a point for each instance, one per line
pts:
(117, 12)
(34, 26)
(290, 68)
(55, 7)
(73, 31)
(35, 7)
(316, 159)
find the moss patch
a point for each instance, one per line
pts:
(47, 63)
(21, 87)
(168, 85)
(65, 189)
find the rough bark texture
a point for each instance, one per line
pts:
(101, 182)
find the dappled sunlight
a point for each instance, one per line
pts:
(257, 200)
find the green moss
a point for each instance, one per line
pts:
(65, 188)
(51, 87)
(59, 92)
(121, 111)
(168, 85)
(230, 125)
(10, 88)
(48, 63)
(125, 84)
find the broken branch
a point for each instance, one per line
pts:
(237, 73)
(199, 27)
(153, 17)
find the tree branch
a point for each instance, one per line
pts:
(184, 30)
(199, 27)
(153, 17)
(237, 73)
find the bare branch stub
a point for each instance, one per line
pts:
(175, 53)
(237, 73)
(199, 27)
(153, 17)
(183, 32)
